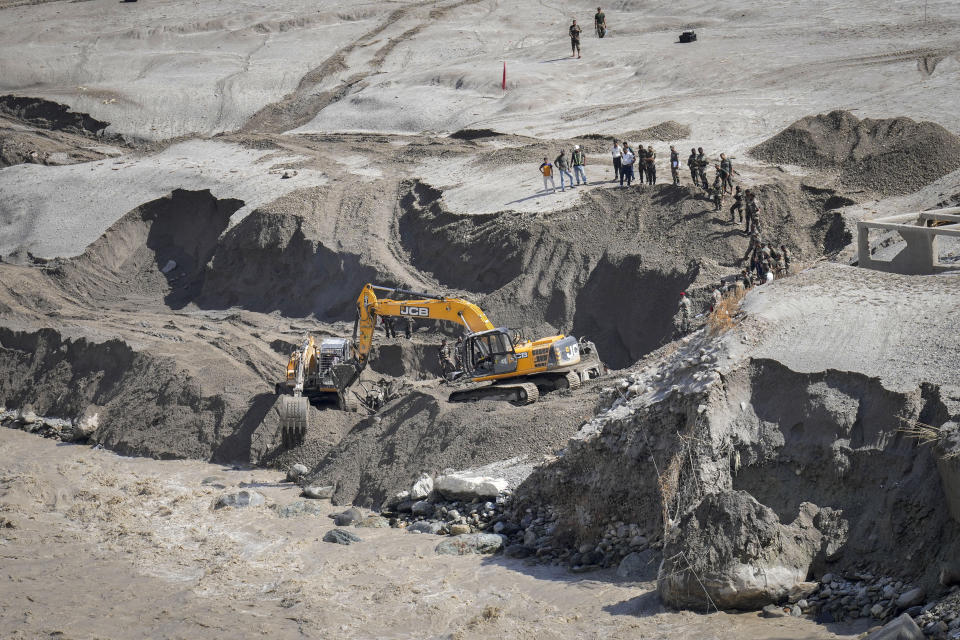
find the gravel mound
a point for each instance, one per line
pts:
(889, 156)
(665, 131)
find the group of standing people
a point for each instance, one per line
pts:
(626, 161)
(561, 164)
(389, 326)
(599, 25)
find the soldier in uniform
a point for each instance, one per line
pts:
(388, 327)
(408, 329)
(726, 173)
(737, 205)
(674, 165)
(694, 167)
(786, 259)
(600, 23)
(446, 364)
(717, 192)
(575, 39)
(650, 160)
(702, 163)
(458, 354)
(752, 210)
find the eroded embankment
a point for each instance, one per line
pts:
(158, 251)
(612, 267)
(46, 114)
(277, 261)
(764, 478)
(147, 404)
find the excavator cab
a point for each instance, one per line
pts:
(488, 353)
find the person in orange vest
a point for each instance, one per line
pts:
(546, 169)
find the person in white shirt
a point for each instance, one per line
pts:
(616, 153)
(626, 164)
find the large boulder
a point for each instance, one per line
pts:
(317, 492)
(732, 552)
(240, 500)
(471, 543)
(422, 488)
(902, 628)
(460, 486)
(339, 536)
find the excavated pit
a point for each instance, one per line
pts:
(612, 267)
(157, 251)
(275, 262)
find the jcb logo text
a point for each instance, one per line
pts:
(415, 311)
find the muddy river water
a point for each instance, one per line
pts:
(95, 545)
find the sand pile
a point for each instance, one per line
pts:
(890, 156)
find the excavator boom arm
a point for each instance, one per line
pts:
(425, 306)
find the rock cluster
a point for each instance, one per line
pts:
(863, 596)
(691, 369)
(941, 619)
(78, 430)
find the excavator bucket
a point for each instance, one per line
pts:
(294, 416)
(344, 375)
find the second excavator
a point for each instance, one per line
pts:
(497, 363)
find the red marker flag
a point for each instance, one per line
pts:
(504, 85)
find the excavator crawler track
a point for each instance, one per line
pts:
(519, 394)
(294, 417)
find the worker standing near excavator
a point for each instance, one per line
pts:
(446, 364)
(458, 354)
(388, 327)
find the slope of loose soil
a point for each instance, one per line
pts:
(889, 157)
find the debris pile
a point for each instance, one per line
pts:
(889, 157)
(75, 430)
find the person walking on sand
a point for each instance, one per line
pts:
(626, 165)
(546, 170)
(560, 162)
(574, 41)
(616, 152)
(675, 165)
(600, 23)
(578, 161)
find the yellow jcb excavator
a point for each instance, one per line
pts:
(508, 366)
